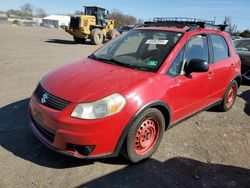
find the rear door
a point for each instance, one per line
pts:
(223, 65)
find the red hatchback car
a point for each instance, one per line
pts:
(123, 97)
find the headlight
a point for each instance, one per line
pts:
(104, 107)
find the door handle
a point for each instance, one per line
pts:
(233, 65)
(210, 73)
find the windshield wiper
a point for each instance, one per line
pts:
(145, 68)
(92, 56)
(129, 65)
(116, 62)
(110, 61)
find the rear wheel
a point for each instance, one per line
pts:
(229, 97)
(96, 36)
(113, 34)
(144, 136)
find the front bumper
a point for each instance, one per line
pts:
(79, 33)
(76, 137)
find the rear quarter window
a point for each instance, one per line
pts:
(220, 47)
(232, 43)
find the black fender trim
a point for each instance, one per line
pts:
(237, 77)
(133, 119)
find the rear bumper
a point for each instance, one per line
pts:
(74, 137)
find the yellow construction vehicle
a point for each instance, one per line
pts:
(93, 25)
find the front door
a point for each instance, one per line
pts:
(192, 91)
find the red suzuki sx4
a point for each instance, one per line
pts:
(123, 97)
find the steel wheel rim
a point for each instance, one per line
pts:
(99, 36)
(231, 96)
(146, 136)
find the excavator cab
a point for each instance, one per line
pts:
(98, 12)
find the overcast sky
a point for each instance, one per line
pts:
(238, 10)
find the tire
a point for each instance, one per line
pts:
(144, 136)
(229, 97)
(113, 34)
(79, 40)
(96, 36)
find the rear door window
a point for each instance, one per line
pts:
(220, 47)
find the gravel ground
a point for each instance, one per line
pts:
(209, 150)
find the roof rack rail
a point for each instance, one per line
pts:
(181, 22)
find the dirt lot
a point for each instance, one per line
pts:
(209, 150)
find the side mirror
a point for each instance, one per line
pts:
(197, 65)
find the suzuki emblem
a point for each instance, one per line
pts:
(44, 98)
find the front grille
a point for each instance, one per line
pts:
(47, 134)
(74, 22)
(50, 100)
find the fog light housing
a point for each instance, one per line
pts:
(82, 150)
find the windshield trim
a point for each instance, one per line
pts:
(118, 63)
(133, 66)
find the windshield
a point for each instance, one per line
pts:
(94, 11)
(139, 49)
(242, 45)
(90, 11)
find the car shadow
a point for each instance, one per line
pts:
(245, 82)
(175, 172)
(17, 137)
(67, 42)
(246, 96)
(60, 41)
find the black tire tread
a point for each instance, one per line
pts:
(128, 147)
(222, 107)
(94, 33)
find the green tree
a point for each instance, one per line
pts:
(15, 13)
(27, 9)
(78, 12)
(245, 33)
(231, 28)
(40, 13)
(122, 19)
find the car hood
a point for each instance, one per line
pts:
(88, 80)
(243, 53)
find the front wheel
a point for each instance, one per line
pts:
(229, 97)
(96, 36)
(144, 136)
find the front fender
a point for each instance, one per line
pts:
(160, 105)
